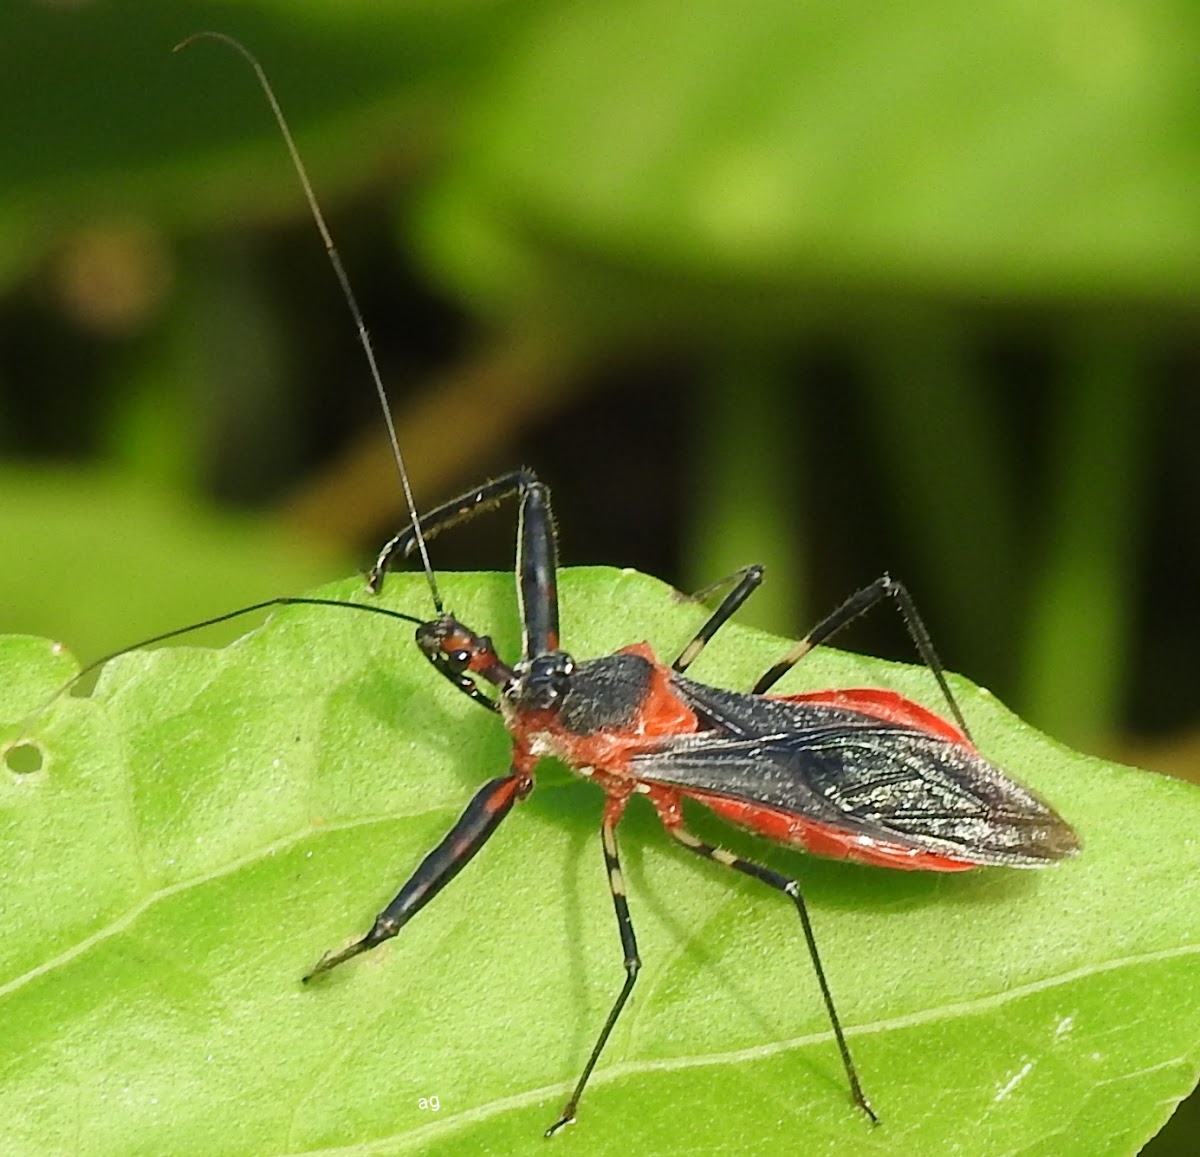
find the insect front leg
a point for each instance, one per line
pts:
(537, 573)
(669, 811)
(460, 509)
(633, 963)
(491, 804)
(884, 587)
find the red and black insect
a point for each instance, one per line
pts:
(860, 774)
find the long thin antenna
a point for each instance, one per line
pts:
(266, 604)
(335, 260)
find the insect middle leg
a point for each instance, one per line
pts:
(670, 814)
(746, 581)
(613, 808)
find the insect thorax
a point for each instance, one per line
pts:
(597, 695)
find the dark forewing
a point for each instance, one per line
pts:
(856, 772)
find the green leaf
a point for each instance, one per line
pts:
(207, 823)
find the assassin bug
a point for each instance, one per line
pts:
(859, 774)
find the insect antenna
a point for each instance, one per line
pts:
(364, 339)
(95, 665)
(335, 259)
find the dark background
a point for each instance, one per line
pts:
(842, 289)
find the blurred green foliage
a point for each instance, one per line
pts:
(927, 273)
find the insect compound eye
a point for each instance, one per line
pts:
(458, 660)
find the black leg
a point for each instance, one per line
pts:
(490, 805)
(465, 506)
(537, 573)
(791, 889)
(883, 587)
(537, 555)
(748, 580)
(616, 884)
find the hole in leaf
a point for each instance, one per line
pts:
(23, 758)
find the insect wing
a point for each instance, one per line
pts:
(853, 772)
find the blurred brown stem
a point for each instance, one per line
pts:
(463, 417)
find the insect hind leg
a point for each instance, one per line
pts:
(790, 888)
(859, 603)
